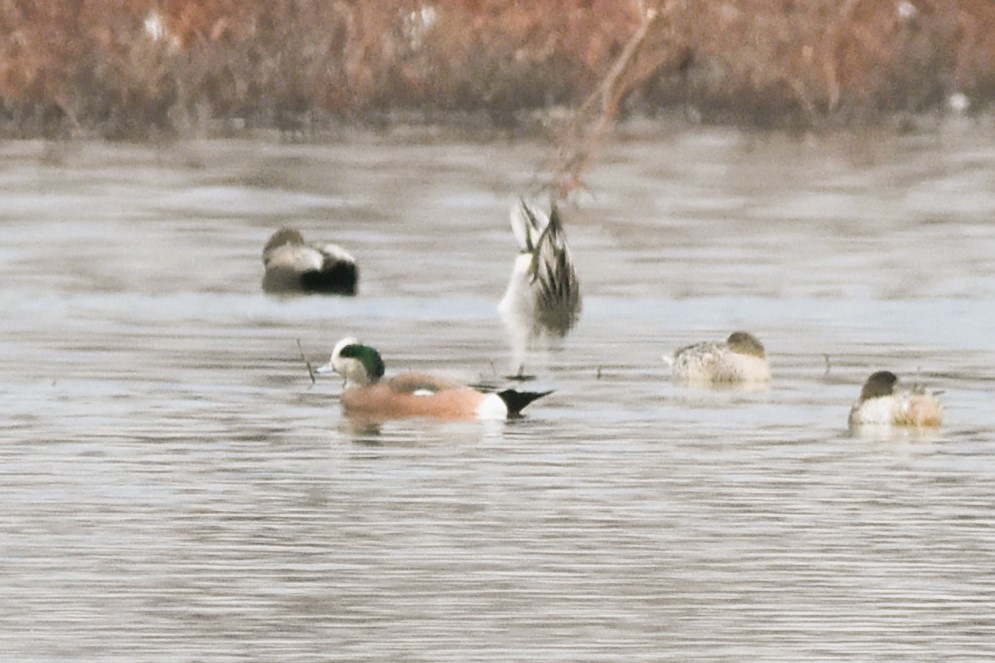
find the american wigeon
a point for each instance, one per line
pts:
(368, 396)
(883, 401)
(740, 359)
(293, 266)
(543, 295)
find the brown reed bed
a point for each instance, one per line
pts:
(134, 68)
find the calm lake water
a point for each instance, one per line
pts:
(175, 488)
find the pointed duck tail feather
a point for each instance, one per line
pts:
(527, 224)
(517, 400)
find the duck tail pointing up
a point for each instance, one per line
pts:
(517, 400)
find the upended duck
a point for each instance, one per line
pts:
(884, 401)
(368, 396)
(741, 359)
(294, 266)
(543, 295)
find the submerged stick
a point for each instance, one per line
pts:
(310, 371)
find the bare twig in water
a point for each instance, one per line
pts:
(310, 371)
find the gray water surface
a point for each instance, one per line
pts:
(173, 487)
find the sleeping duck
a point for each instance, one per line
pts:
(293, 266)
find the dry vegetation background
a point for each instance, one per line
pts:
(130, 68)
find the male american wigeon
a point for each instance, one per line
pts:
(543, 295)
(293, 266)
(367, 395)
(884, 401)
(739, 360)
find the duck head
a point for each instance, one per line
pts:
(745, 343)
(879, 384)
(359, 364)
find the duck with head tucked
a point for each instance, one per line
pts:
(741, 359)
(885, 401)
(368, 396)
(543, 294)
(294, 266)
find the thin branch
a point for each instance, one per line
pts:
(310, 371)
(598, 112)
